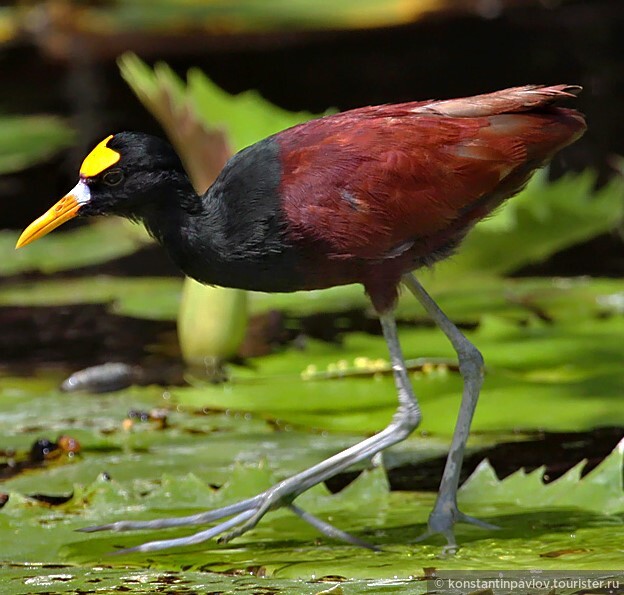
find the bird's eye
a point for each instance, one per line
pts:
(113, 177)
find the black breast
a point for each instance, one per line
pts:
(248, 245)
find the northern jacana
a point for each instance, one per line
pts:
(365, 196)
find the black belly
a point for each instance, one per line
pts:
(270, 273)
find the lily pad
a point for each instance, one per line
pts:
(465, 300)
(602, 490)
(558, 377)
(286, 549)
(141, 297)
(96, 243)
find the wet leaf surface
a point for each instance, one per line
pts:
(143, 471)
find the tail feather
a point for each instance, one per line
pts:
(513, 100)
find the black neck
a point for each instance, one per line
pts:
(178, 220)
(234, 235)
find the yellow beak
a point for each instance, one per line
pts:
(64, 210)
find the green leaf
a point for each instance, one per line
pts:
(247, 117)
(203, 147)
(93, 244)
(288, 549)
(558, 377)
(170, 472)
(25, 140)
(465, 301)
(125, 295)
(543, 219)
(601, 490)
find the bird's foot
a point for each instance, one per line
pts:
(245, 515)
(442, 521)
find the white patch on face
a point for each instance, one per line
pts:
(81, 193)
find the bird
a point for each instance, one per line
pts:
(366, 196)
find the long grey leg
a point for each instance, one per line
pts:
(404, 421)
(445, 512)
(249, 512)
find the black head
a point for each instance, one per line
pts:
(144, 171)
(126, 174)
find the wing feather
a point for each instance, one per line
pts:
(369, 182)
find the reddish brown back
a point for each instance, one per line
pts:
(370, 182)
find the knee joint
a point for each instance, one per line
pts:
(407, 420)
(470, 358)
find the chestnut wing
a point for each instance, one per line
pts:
(369, 187)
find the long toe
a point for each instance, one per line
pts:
(470, 520)
(332, 532)
(245, 515)
(202, 518)
(196, 538)
(443, 523)
(320, 525)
